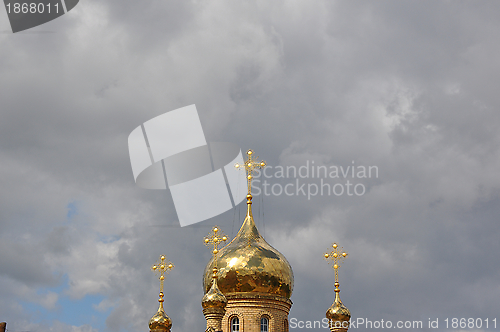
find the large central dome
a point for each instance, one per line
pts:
(249, 264)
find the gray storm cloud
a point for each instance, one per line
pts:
(410, 87)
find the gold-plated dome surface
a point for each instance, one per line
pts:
(249, 264)
(338, 311)
(160, 321)
(214, 297)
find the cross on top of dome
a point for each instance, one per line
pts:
(215, 238)
(250, 165)
(336, 256)
(162, 267)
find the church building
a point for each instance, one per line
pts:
(248, 283)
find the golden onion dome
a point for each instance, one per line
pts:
(214, 297)
(338, 314)
(160, 321)
(249, 264)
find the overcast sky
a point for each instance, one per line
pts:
(410, 87)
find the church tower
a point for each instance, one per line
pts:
(214, 302)
(160, 322)
(255, 278)
(338, 315)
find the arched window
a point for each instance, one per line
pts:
(286, 325)
(235, 324)
(264, 324)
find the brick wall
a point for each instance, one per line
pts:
(251, 307)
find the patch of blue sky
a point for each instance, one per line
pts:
(72, 208)
(70, 311)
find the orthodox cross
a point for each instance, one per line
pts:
(161, 267)
(215, 238)
(336, 256)
(250, 165)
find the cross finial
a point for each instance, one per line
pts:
(250, 166)
(336, 256)
(215, 238)
(161, 267)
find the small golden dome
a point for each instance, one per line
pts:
(338, 311)
(338, 314)
(214, 298)
(249, 264)
(160, 322)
